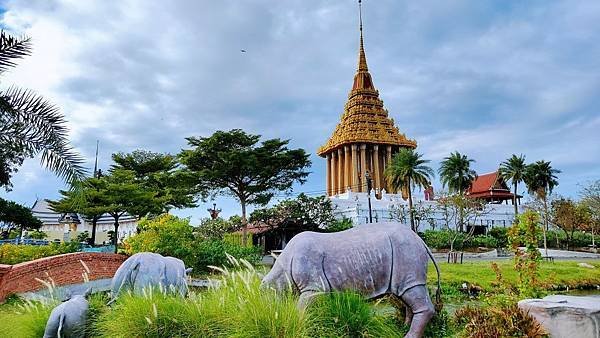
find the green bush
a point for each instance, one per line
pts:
(169, 235)
(14, 254)
(214, 253)
(339, 225)
(482, 241)
(500, 234)
(440, 239)
(36, 234)
(558, 239)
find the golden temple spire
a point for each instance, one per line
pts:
(362, 58)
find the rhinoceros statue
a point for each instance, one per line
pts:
(373, 259)
(69, 318)
(149, 270)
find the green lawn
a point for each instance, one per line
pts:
(557, 275)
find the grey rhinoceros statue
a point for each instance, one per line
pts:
(150, 270)
(68, 319)
(374, 259)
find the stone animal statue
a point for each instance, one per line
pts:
(148, 270)
(69, 318)
(374, 259)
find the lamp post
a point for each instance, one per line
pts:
(214, 212)
(369, 183)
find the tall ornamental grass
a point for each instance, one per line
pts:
(234, 306)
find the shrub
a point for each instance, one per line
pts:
(339, 225)
(213, 228)
(214, 253)
(482, 241)
(500, 234)
(36, 234)
(14, 254)
(167, 235)
(505, 320)
(83, 237)
(441, 239)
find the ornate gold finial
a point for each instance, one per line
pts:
(365, 120)
(362, 58)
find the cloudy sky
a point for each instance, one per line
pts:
(486, 78)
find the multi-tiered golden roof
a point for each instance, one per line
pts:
(364, 125)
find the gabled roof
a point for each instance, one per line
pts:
(489, 185)
(487, 182)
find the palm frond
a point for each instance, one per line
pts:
(11, 49)
(36, 126)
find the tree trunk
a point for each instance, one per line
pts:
(93, 239)
(21, 234)
(545, 227)
(410, 208)
(515, 201)
(244, 223)
(116, 235)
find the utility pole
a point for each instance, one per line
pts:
(369, 184)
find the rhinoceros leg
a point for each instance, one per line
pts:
(417, 298)
(306, 298)
(408, 317)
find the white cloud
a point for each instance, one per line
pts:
(488, 78)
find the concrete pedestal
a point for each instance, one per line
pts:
(566, 316)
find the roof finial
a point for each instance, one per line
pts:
(362, 58)
(96, 161)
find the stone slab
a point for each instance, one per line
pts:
(566, 316)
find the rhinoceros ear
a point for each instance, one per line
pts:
(87, 292)
(66, 295)
(188, 270)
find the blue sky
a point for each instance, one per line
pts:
(486, 78)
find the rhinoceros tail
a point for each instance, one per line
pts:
(438, 293)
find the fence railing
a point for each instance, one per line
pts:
(25, 241)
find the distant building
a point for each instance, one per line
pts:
(364, 142)
(492, 188)
(67, 226)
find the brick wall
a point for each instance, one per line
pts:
(62, 269)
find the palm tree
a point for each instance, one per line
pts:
(513, 169)
(541, 179)
(406, 171)
(30, 125)
(456, 173)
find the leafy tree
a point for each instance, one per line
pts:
(590, 196)
(457, 210)
(406, 171)
(120, 194)
(541, 179)
(303, 213)
(340, 225)
(30, 125)
(160, 173)
(456, 173)
(14, 215)
(570, 216)
(233, 163)
(513, 169)
(214, 228)
(87, 201)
